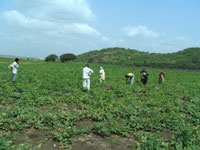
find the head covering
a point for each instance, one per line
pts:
(101, 67)
(130, 74)
(16, 59)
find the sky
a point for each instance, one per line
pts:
(37, 28)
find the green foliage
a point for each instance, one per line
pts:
(67, 57)
(6, 143)
(151, 142)
(49, 97)
(186, 59)
(51, 58)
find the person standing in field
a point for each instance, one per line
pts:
(86, 77)
(102, 75)
(142, 73)
(161, 77)
(14, 67)
(144, 76)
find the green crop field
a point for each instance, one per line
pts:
(47, 109)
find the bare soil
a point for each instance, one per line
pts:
(43, 140)
(94, 142)
(166, 134)
(86, 123)
(38, 139)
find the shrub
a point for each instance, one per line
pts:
(51, 57)
(67, 57)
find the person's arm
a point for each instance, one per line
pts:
(10, 67)
(91, 71)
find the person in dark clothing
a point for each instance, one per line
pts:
(144, 76)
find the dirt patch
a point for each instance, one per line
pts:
(86, 123)
(166, 134)
(1, 133)
(44, 109)
(23, 63)
(4, 62)
(121, 122)
(93, 142)
(50, 145)
(37, 138)
(1, 106)
(74, 108)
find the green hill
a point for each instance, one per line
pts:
(185, 59)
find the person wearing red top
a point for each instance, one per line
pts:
(161, 77)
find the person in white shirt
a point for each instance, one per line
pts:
(86, 77)
(14, 67)
(130, 76)
(132, 80)
(102, 75)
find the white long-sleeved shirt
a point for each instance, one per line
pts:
(14, 67)
(87, 72)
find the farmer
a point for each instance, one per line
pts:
(86, 77)
(14, 67)
(142, 72)
(102, 75)
(144, 76)
(131, 77)
(161, 77)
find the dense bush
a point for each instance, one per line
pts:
(67, 57)
(51, 57)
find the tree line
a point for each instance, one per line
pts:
(62, 58)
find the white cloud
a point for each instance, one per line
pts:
(85, 29)
(40, 27)
(110, 43)
(16, 19)
(37, 27)
(57, 10)
(139, 31)
(162, 44)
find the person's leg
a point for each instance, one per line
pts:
(132, 81)
(14, 77)
(101, 80)
(84, 83)
(88, 84)
(159, 80)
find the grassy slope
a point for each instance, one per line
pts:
(186, 59)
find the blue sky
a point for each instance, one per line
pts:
(38, 28)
